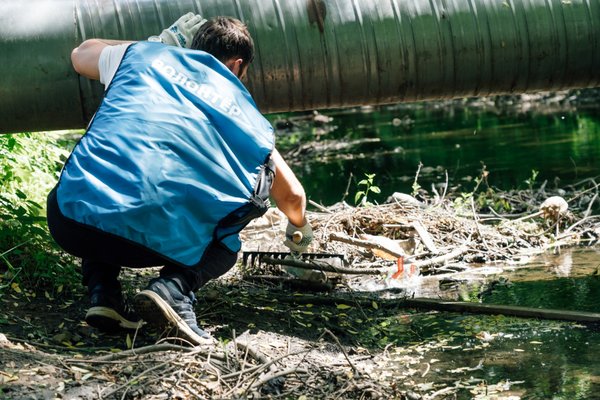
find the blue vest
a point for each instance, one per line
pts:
(176, 147)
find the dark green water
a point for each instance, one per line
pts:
(579, 294)
(563, 146)
(518, 357)
(531, 359)
(502, 356)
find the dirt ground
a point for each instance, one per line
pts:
(279, 339)
(49, 352)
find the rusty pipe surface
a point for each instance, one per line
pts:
(311, 54)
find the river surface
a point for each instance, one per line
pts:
(488, 357)
(561, 146)
(525, 358)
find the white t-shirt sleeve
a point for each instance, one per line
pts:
(110, 59)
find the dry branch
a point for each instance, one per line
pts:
(322, 266)
(527, 312)
(441, 259)
(365, 243)
(425, 237)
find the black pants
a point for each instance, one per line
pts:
(104, 254)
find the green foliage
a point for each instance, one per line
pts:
(369, 187)
(481, 198)
(415, 186)
(492, 200)
(28, 256)
(531, 180)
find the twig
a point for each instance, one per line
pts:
(50, 346)
(434, 190)
(529, 216)
(347, 188)
(516, 311)
(589, 208)
(498, 216)
(476, 220)
(337, 341)
(581, 221)
(320, 207)
(579, 194)
(256, 367)
(445, 187)
(15, 247)
(275, 375)
(253, 352)
(322, 266)
(445, 390)
(443, 258)
(144, 350)
(135, 378)
(255, 371)
(364, 243)
(426, 370)
(292, 281)
(191, 390)
(425, 237)
(246, 353)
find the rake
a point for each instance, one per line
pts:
(256, 258)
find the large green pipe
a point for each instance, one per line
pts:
(312, 54)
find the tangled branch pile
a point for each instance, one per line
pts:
(239, 369)
(291, 350)
(446, 232)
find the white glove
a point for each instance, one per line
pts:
(297, 239)
(182, 32)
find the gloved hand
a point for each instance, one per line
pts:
(182, 32)
(297, 239)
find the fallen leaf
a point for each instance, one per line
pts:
(5, 378)
(15, 287)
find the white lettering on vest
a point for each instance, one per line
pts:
(202, 90)
(191, 86)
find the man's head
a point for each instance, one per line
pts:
(229, 41)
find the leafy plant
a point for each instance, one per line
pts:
(369, 187)
(415, 186)
(28, 256)
(482, 196)
(531, 180)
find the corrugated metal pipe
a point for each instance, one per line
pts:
(311, 54)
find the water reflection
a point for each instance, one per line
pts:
(485, 356)
(568, 281)
(564, 146)
(562, 276)
(497, 356)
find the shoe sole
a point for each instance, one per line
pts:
(157, 312)
(108, 320)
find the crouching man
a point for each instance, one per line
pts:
(176, 161)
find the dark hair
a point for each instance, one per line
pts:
(225, 38)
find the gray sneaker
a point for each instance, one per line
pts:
(109, 312)
(162, 304)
